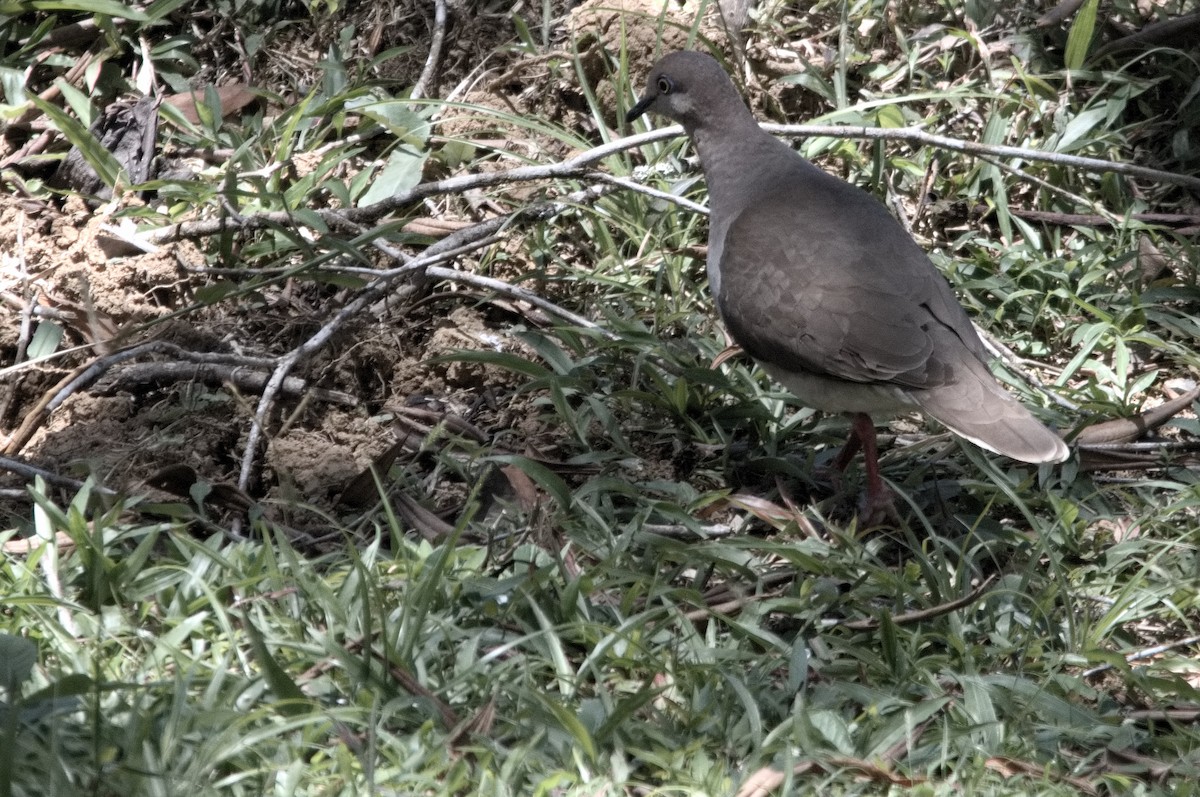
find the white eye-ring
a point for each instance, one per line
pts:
(665, 85)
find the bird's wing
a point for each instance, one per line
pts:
(824, 280)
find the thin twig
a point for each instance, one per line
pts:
(148, 375)
(579, 167)
(435, 50)
(1013, 363)
(913, 135)
(1046, 185)
(919, 615)
(1127, 430)
(1179, 715)
(1167, 32)
(516, 292)
(88, 373)
(1180, 222)
(31, 472)
(24, 545)
(630, 185)
(1059, 13)
(463, 240)
(1145, 653)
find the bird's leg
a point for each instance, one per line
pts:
(879, 502)
(837, 466)
(878, 506)
(854, 442)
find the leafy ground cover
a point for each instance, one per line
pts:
(377, 447)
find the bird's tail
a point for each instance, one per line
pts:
(979, 409)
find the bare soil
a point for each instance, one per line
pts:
(140, 432)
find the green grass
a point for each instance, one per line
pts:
(175, 664)
(658, 620)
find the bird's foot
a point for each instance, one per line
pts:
(875, 507)
(827, 477)
(878, 508)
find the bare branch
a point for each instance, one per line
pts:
(451, 246)
(88, 373)
(148, 375)
(435, 50)
(579, 167)
(31, 472)
(975, 148)
(920, 614)
(516, 292)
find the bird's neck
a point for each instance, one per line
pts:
(737, 160)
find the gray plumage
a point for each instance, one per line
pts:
(823, 288)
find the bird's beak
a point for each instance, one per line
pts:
(640, 108)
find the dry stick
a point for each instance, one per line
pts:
(36, 145)
(443, 249)
(918, 615)
(97, 368)
(1145, 653)
(579, 167)
(435, 50)
(148, 375)
(515, 292)
(25, 330)
(654, 193)
(1127, 430)
(1153, 35)
(1164, 715)
(1180, 222)
(31, 472)
(1014, 363)
(69, 35)
(1059, 13)
(461, 242)
(975, 148)
(88, 373)
(498, 286)
(1045, 184)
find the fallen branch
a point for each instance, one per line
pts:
(88, 373)
(1146, 653)
(143, 376)
(435, 51)
(579, 167)
(454, 245)
(914, 136)
(23, 545)
(1058, 14)
(1126, 430)
(919, 615)
(31, 472)
(1180, 30)
(1183, 222)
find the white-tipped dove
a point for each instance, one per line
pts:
(826, 291)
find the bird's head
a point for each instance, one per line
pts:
(689, 87)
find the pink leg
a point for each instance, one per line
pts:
(853, 443)
(879, 505)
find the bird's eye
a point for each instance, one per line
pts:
(665, 86)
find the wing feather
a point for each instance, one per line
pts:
(821, 278)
